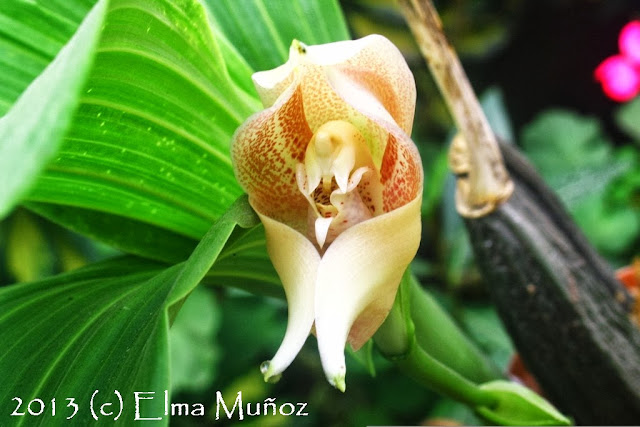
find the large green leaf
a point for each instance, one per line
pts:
(150, 139)
(32, 130)
(101, 328)
(104, 327)
(262, 30)
(31, 34)
(244, 264)
(135, 237)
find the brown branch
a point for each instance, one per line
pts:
(483, 182)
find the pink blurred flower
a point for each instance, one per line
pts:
(629, 42)
(620, 74)
(620, 80)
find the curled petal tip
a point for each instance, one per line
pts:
(298, 47)
(338, 382)
(268, 372)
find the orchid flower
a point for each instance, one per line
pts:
(331, 171)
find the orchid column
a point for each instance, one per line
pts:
(331, 170)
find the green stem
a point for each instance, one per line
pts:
(438, 334)
(429, 372)
(425, 343)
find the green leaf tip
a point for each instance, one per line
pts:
(518, 405)
(32, 130)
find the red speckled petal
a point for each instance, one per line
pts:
(322, 104)
(362, 81)
(401, 171)
(265, 151)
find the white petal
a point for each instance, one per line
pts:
(358, 96)
(271, 84)
(322, 228)
(336, 52)
(296, 260)
(358, 277)
(343, 165)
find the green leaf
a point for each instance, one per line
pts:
(150, 139)
(31, 132)
(364, 356)
(134, 237)
(263, 30)
(100, 328)
(494, 107)
(567, 149)
(245, 264)
(29, 256)
(31, 34)
(193, 347)
(451, 412)
(577, 161)
(483, 325)
(207, 251)
(518, 406)
(248, 343)
(147, 152)
(104, 327)
(628, 118)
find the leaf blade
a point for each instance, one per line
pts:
(32, 130)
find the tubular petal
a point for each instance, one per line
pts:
(362, 270)
(296, 260)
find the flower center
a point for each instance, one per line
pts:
(336, 178)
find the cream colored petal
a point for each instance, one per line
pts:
(376, 71)
(296, 260)
(322, 228)
(270, 84)
(357, 275)
(337, 52)
(322, 104)
(273, 83)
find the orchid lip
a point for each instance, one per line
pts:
(335, 162)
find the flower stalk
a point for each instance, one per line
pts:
(430, 372)
(442, 338)
(498, 401)
(429, 357)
